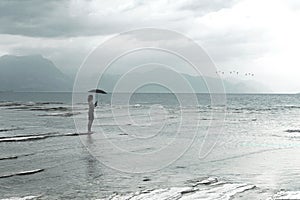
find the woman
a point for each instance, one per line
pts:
(91, 112)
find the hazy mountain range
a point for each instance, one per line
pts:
(36, 73)
(108, 82)
(31, 73)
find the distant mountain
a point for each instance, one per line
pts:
(31, 73)
(230, 85)
(108, 81)
(35, 73)
(245, 86)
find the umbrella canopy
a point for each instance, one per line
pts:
(98, 91)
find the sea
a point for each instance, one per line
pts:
(149, 146)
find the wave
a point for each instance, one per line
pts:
(290, 136)
(32, 106)
(24, 138)
(207, 181)
(293, 131)
(10, 104)
(290, 133)
(292, 107)
(9, 158)
(263, 109)
(251, 109)
(50, 109)
(22, 173)
(38, 108)
(67, 114)
(282, 195)
(28, 135)
(22, 198)
(48, 103)
(136, 105)
(216, 190)
(21, 139)
(11, 129)
(14, 156)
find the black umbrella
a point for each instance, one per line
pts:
(98, 91)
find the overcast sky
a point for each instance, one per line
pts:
(256, 36)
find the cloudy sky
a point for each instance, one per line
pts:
(255, 36)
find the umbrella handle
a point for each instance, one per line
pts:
(96, 97)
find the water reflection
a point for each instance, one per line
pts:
(92, 170)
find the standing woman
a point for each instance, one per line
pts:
(91, 112)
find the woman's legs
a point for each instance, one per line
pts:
(90, 126)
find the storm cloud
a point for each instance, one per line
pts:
(247, 35)
(64, 18)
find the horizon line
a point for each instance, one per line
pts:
(230, 93)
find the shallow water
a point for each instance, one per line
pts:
(255, 155)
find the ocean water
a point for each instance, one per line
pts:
(247, 148)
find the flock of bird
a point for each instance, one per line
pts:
(234, 73)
